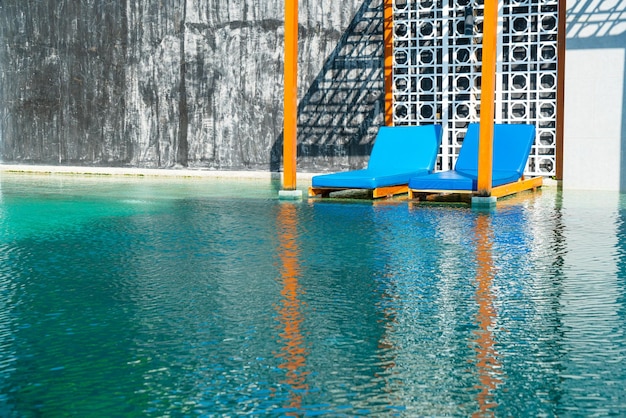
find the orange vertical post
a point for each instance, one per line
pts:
(290, 123)
(388, 42)
(487, 97)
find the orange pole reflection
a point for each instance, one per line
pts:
(293, 352)
(487, 363)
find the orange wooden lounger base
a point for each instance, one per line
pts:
(532, 183)
(372, 193)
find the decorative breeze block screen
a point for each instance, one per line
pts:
(437, 69)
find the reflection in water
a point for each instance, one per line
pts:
(7, 290)
(592, 307)
(8, 354)
(489, 369)
(293, 351)
(195, 306)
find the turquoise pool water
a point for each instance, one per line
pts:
(139, 297)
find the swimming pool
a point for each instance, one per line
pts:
(140, 297)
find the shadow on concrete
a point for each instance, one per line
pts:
(339, 115)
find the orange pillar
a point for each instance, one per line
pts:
(388, 42)
(487, 97)
(290, 95)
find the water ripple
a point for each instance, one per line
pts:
(196, 305)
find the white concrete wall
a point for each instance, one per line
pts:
(593, 113)
(594, 126)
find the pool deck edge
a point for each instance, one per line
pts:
(143, 172)
(162, 172)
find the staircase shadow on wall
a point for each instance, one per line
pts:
(339, 115)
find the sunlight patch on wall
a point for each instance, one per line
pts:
(594, 98)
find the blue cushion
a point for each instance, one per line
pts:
(498, 177)
(455, 180)
(445, 180)
(468, 155)
(364, 179)
(405, 148)
(399, 153)
(511, 147)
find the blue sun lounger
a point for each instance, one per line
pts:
(511, 147)
(399, 153)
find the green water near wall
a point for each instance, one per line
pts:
(138, 297)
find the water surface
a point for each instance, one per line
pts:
(139, 297)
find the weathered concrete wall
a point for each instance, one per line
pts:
(194, 83)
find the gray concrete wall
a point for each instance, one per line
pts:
(193, 83)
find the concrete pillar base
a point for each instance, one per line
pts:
(290, 194)
(480, 202)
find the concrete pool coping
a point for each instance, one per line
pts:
(165, 172)
(144, 172)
